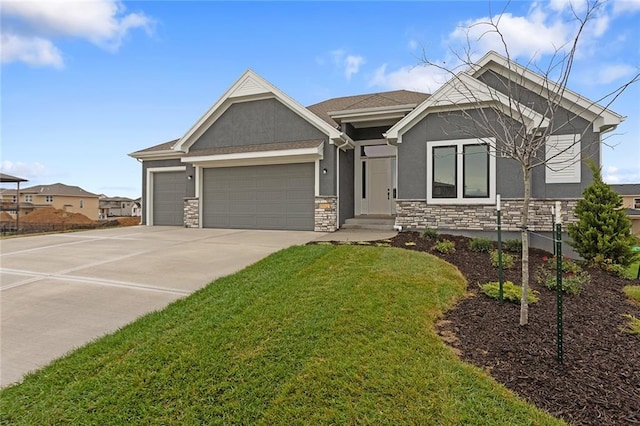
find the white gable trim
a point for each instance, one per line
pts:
(250, 87)
(466, 92)
(603, 118)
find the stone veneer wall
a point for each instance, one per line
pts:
(416, 214)
(326, 214)
(191, 212)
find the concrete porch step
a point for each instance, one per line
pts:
(378, 223)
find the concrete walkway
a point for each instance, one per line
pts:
(60, 291)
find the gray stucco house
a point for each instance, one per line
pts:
(257, 159)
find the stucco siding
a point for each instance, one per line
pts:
(254, 123)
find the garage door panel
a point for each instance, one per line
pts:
(259, 197)
(169, 190)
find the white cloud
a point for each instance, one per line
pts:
(610, 73)
(623, 6)
(416, 78)
(352, 65)
(347, 63)
(524, 35)
(29, 171)
(614, 175)
(102, 22)
(34, 51)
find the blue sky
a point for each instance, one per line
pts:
(85, 83)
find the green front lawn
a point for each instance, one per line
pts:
(310, 335)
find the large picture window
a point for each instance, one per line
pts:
(462, 171)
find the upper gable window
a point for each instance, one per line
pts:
(461, 171)
(48, 198)
(28, 198)
(562, 154)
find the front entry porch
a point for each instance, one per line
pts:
(375, 181)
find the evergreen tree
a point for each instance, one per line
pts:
(603, 230)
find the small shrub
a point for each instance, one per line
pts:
(510, 291)
(607, 265)
(445, 247)
(508, 261)
(573, 277)
(632, 326)
(632, 292)
(481, 245)
(514, 245)
(430, 234)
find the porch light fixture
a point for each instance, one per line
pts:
(189, 177)
(324, 171)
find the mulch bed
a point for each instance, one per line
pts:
(599, 381)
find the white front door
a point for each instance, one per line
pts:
(380, 186)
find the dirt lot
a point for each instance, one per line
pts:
(50, 219)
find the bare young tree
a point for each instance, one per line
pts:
(517, 119)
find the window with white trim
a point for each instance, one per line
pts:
(28, 198)
(48, 198)
(562, 154)
(636, 203)
(461, 171)
(81, 204)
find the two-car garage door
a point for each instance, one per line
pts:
(259, 197)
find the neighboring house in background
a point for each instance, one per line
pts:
(258, 159)
(72, 199)
(118, 207)
(630, 193)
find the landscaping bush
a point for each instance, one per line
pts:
(632, 326)
(632, 292)
(573, 276)
(613, 268)
(445, 247)
(481, 245)
(508, 261)
(430, 234)
(510, 291)
(603, 228)
(513, 245)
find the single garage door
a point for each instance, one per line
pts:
(259, 197)
(169, 190)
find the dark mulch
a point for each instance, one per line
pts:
(599, 381)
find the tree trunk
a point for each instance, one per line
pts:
(524, 301)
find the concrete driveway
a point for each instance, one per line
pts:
(60, 291)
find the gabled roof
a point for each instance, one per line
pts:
(455, 93)
(58, 189)
(465, 91)
(605, 119)
(250, 86)
(394, 98)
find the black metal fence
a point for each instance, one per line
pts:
(9, 228)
